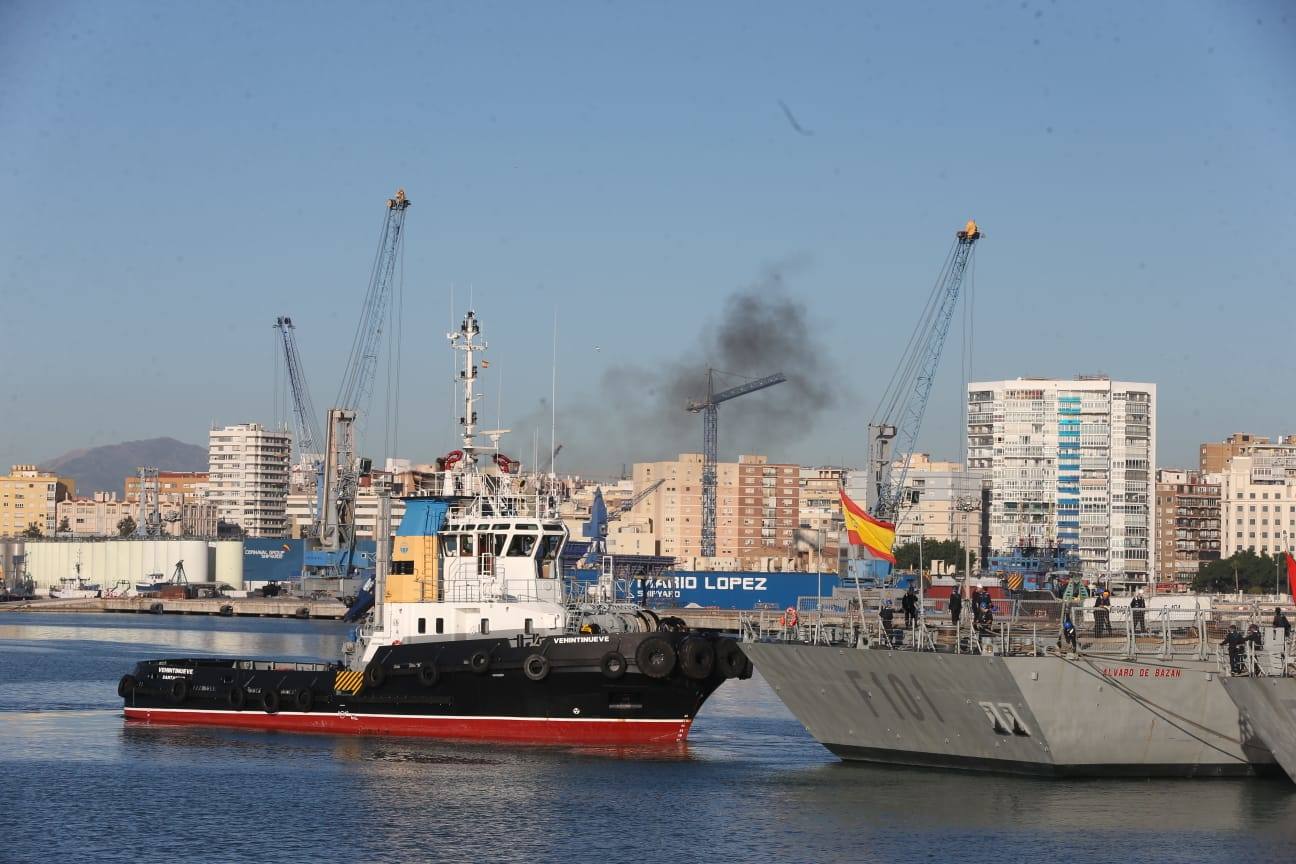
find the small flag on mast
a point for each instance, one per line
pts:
(875, 535)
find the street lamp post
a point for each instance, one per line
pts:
(1278, 563)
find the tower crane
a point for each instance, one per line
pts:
(900, 413)
(710, 445)
(341, 472)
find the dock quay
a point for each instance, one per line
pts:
(236, 607)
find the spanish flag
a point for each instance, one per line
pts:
(862, 529)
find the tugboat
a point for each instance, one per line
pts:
(473, 632)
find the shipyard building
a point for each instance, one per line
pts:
(1070, 464)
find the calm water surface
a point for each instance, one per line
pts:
(77, 784)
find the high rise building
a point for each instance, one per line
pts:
(29, 497)
(1258, 496)
(1069, 463)
(1187, 523)
(1215, 455)
(248, 478)
(820, 517)
(942, 502)
(757, 507)
(184, 484)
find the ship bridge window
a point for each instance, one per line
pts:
(497, 548)
(550, 544)
(466, 545)
(522, 546)
(450, 543)
(552, 526)
(526, 527)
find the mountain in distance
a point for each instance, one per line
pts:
(105, 468)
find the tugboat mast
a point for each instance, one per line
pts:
(466, 340)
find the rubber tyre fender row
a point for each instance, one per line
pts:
(304, 700)
(375, 674)
(237, 698)
(127, 686)
(480, 662)
(427, 673)
(613, 665)
(730, 659)
(270, 699)
(696, 658)
(655, 657)
(178, 690)
(536, 667)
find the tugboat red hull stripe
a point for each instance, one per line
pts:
(558, 730)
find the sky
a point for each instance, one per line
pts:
(173, 177)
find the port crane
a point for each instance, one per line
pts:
(596, 528)
(306, 433)
(893, 432)
(336, 534)
(710, 444)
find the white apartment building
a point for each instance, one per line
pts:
(248, 477)
(1258, 500)
(1070, 462)
(943, 503)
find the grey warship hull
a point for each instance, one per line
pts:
(1034, 715)
(1267, 705)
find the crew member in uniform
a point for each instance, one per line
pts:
(1068, 634)
(909, 603)
(1280, 622)
(1138, 605)
(955, 606)
(1235, 642)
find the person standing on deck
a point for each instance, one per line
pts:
(955, 606)
(1138, 605)
(909, 603)
(1280, 622)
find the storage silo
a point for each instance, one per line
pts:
(229, 563)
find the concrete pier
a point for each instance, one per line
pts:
(256, 607)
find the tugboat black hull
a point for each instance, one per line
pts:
(624, 689)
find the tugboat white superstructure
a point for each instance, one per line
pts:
(473, 632)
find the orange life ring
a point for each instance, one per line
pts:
(789, 617)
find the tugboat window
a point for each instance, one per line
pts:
(521, 546)
(422, 627)
(499, 544)
(440, 625)
(526, 626)
(451, 545)
(466, 545)
(485, 626)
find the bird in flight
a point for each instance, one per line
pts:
(787, 112)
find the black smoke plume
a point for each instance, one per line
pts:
(760, 329)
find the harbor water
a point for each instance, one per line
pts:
(77, 783)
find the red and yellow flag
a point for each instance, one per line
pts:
(875, 535)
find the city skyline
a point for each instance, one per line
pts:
(815, 160)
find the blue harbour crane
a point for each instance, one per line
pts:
(900, 412)
(306, 421)
(893, 432)
(710, 445)
(336, 534)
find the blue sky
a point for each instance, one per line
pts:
(174, 177)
